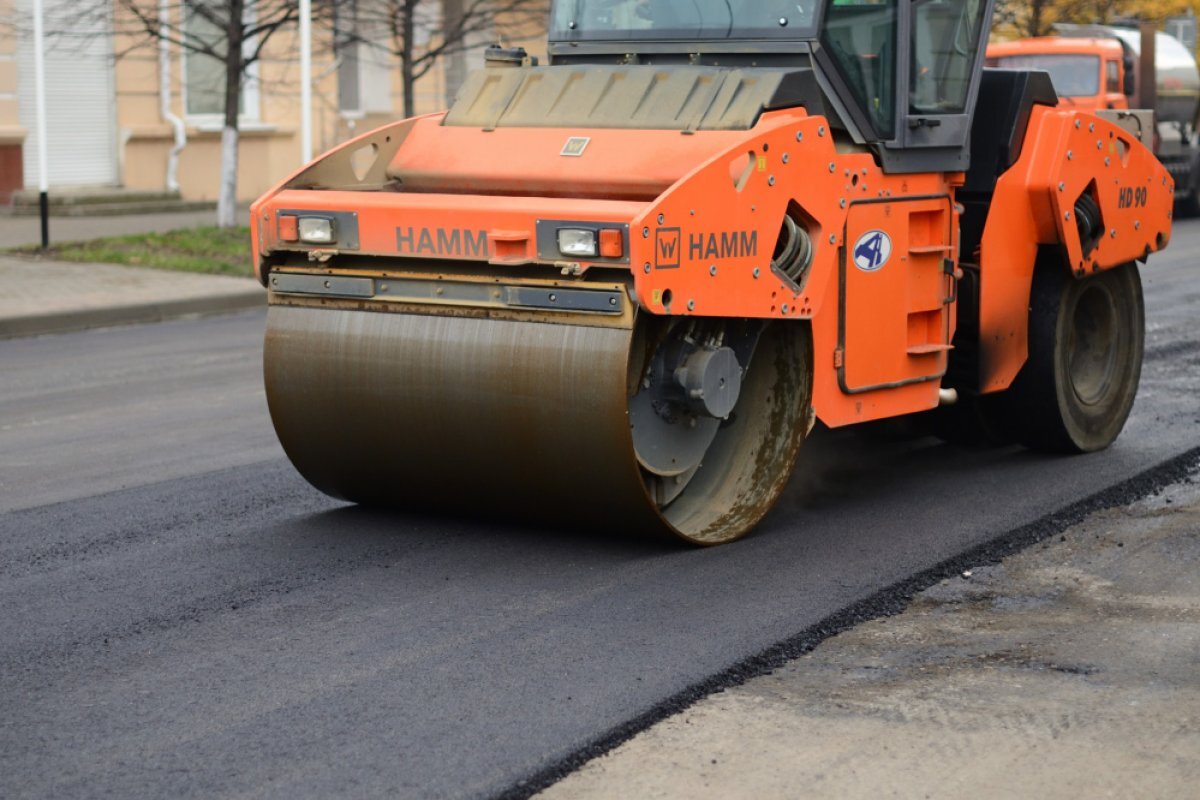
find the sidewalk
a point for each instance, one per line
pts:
(27, 231)
(42, 297)
(1069, 670)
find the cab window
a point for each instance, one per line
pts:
(861, 38)
(945, 40)
(1112, 77)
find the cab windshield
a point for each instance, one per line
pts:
(1072, 75)
(682, 19)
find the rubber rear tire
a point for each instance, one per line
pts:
(1086, 342)
(1086, 338)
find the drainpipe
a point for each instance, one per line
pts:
(164, 98)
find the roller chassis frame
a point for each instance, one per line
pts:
(768, 259)
(877, 353)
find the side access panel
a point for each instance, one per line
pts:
(897, 293)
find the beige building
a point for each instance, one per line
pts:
(113, 120)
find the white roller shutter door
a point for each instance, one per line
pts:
(80, 102)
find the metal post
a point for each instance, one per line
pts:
(306, 138)
(39, 82)
(1147, 79)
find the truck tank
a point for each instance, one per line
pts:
(1178, 80)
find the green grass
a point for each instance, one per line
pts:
(222, 251)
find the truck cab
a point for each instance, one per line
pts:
(1097, 68)
(1088, 73)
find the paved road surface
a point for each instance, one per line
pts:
(183, 616)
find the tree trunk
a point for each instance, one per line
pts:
(1035, 18)
(407, 78)
(227, 197)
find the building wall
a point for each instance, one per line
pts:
(12, 134)
(270, 133)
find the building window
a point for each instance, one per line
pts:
(364, 63)
(204, 75)
(346, 47)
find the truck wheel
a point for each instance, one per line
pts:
(1085, 358)
(1188, 206)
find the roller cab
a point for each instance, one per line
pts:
(616, 291)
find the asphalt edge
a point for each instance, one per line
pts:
(886, 602)
(131, 314)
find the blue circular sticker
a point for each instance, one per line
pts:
(872, 251)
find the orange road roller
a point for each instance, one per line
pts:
(617, 290)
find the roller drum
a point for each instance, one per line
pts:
(517, 418)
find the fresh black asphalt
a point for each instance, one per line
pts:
(181, 615)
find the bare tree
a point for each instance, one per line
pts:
(232, 32)
(420, 33)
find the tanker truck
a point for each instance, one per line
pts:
(1096, 68)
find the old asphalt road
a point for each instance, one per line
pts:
(183, 616)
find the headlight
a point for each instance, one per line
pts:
(577, 242)
(316, 230)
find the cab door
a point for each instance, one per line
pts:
(944, 54)
(1113, 84)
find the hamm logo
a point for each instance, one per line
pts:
(872, 251)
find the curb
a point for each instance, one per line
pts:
(137, 313)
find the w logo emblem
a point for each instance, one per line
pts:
(872, 250)
(666, 248)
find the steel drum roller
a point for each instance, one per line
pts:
(517, 418)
